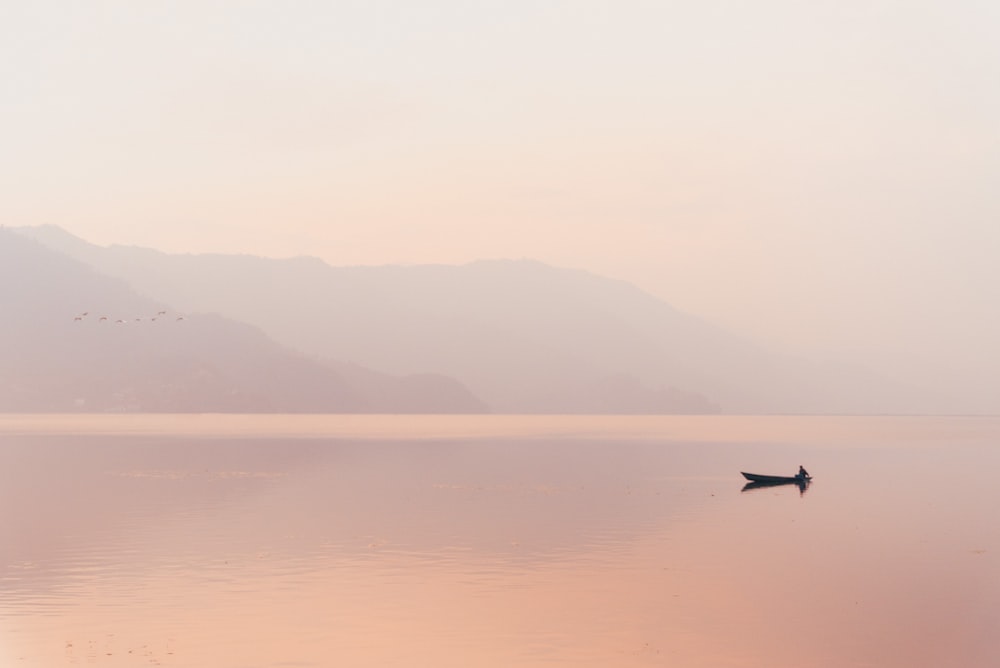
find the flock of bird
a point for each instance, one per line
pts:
(159, 315)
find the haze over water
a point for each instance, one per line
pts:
(819, 177)
(546, 208)
(266, 541)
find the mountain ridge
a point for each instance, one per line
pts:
(76, 340)
(524, 336)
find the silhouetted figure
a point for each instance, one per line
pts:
(803, 474)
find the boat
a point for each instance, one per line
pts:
(776, 479)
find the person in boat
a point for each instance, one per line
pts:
(802, 474)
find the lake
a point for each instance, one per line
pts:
(266, 541)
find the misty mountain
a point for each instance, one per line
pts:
(72, 339)
(524, 336)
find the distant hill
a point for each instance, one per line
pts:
(72, 339)
(524, 336)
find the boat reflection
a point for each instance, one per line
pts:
(803, 485)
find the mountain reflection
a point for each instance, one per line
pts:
(474, 545)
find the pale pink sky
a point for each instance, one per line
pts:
(821, 175)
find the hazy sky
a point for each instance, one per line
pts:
(817, 173)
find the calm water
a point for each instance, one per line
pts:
(274, 541)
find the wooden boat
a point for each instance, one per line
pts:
(775, 479)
